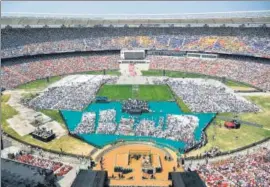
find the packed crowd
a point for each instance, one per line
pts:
(107, 122)
(254, 72)
(40, 162)
(242, 170)
(71, 95)
(18, 42)
(135, 106)
(19, 71)
(179, 128)
(43, 132)
(203, 95)
(125, 127)
(87, 124)
(146, 128)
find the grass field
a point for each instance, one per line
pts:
(182, 105)
(263, 117)
(154, 93)
(145, 92)
(116, 92)
(226, 140)
(177, 74)
(67, 143)
(39, 84)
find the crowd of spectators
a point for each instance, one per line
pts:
(202, 95)
(135, 106)
(87, 124)
(146, 128)
(247, 41)
(43, 163)
(107, 122)
(254, 72)
(242, 170)
(70, 96)
(179, 128)
(125, 127)
(19, 71)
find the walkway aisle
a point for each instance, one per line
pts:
(22, 122)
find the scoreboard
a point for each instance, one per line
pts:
(132, 54)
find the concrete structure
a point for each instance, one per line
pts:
(214, 19)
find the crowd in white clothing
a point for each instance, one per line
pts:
(146, 128)
(179, 128)
(125, 127)
(203, 95)
(107, 122)
(87, 124)
(73, 96)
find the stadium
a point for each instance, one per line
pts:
(142, 100)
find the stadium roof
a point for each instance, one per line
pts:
(90, 178)
(186, 179)
(17, 19)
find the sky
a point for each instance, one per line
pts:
(135, 7)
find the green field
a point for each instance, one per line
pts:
(263, 117)
(144, 92)
(226, 139)
(182, 105)
(116, 92)
(177, 74)
(155, 93)
(39, 84)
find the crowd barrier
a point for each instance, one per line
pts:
(199, 157)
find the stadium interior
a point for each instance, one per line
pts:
(152, 102)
